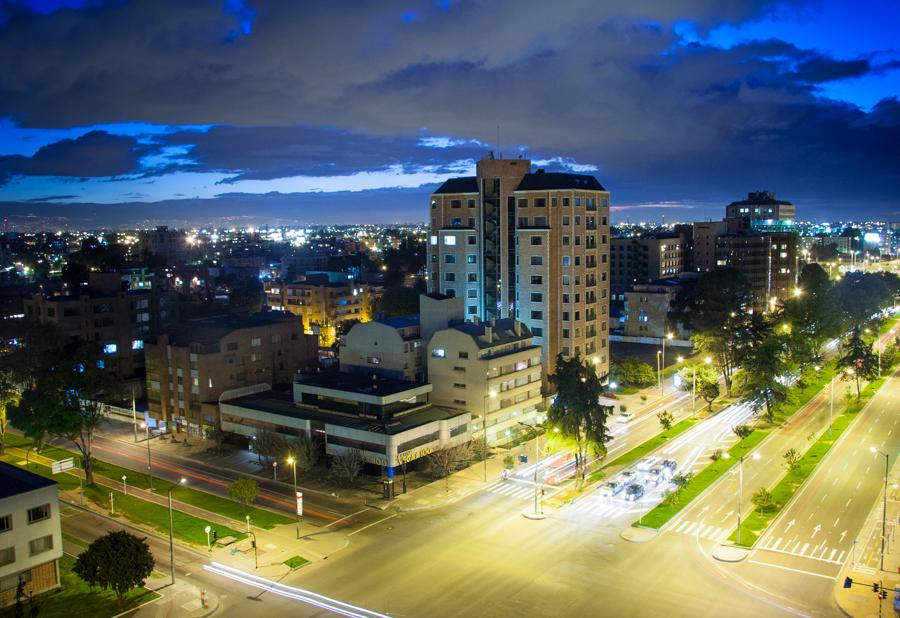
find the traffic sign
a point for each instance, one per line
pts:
(300, 503)
(62, 465)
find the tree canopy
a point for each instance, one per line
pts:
(118, 561)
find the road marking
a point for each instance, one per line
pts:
(795, 548)
(716, 532)
(835, 480)
(784, 568)
(867, 469)
(810, 516)
(849, 500)
(843, 534)
(824, 549)
(803, 551)
(835, 522)
(372, 524)
(777, 543)
(831, 555)
(858, 484)
(840, 559)
(681, 525)
(347, 517)
(690, 528)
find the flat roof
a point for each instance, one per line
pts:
(359, 383)
(281, 404)
(15, 480)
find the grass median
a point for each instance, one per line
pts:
(753, 527)
(663, 512)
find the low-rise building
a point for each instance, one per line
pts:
(491, 370)
(641, 259)
(189, 367)
(30, 534)
(390, 347)
(647, 307)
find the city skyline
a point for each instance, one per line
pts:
(251, 111)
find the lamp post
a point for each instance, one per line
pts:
(134, 414)
(124, 485)
(884, 505)
(755, 457)
(293, 463)
(275, 470)
(172, 532)
(247, 517)
(537, 450)
(207, 530)
(662, 364)
(491, 395)
(659, 372)
(146, 428)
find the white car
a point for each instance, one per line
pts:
(625, 417)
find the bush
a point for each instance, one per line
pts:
(643, 397)
(508, 462)
(742, 431)
(717, 455)
(763, 500)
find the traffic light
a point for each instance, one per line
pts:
(876, 587)
(848, 581)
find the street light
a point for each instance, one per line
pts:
(659, 372)
(207, 530)
(668, 336)
(537, 441)
(491, 395)
(124, 485)
(146, 428)
(275, 470)
(172, 532)
(884, 505)
(293, 464)
(755, 457)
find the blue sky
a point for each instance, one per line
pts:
(137, 104)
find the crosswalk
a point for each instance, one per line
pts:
(702, 530)
(513, 489)
(598, 508)
(813, 551)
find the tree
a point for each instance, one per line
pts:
(792, 459)
(269, 445)
(244, 491)
(715, 307)
(347, 463)
(763, 499)
(305, 450)
(636, 373)
(444, 461)
(709, 392)
(742, 431)
(118, 561)
(576, 411)
(862, 295)
(763, 372)
(397, 301)
(814, 314)
(859, 362)
(9, 394)
(679, 482)
(666, 420)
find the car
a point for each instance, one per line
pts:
(634, 492)
(657, 475)
(625, 417)
(611, 488)
(627, 477)
(671, 465)
(646, 464)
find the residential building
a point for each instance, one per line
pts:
(118, 319)
(390, 347)
(390, 422)
(530, 246)
(770, 261)
(641, 259)
(322, 304)
(190, 366)
(490, 369)
(30, 533)
(647, 307)
(705, 234)
(759, 206)
(171, 245)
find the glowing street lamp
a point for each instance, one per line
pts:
(207, 530)
(887, 458)
(172, 531)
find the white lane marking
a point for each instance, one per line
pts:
(690, 528)
(824, 549)
(784, 568)
(372, 524)
(724, 535)
(682, 525)
(836, 521)
(346, 517)
(849, 500)
(803, 551)
(831, 555)
(777, 543)
(795, 548)
(840, 559)
(858, 484)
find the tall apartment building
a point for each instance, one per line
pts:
(642, 259)
(531, 246)
(322, 304)
(119, 320)
(191, 366)
(30, 534)
(490, 369)
(760, 206)
(770, 261)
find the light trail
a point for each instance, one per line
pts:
(299, 594)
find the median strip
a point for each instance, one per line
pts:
(652, 444)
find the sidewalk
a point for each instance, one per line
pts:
(182, 599)
(860, 601)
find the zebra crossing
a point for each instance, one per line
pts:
(702, 530)
(813, 551)
(598, 508)
(513, 489)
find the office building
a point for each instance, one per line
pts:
(770, 261)
(704, 235)
(30, 534)
(190, 366)
(527, 245)
(647, 307)
(170, 245)
(760, 206)
(641, 259)
(389, 347)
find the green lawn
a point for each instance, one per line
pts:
(664, 512)
(652, 444)
(295, 562)
(76, 599)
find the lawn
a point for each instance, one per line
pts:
(664, 512)
(76, 599)
(652, 444)
(295, 562)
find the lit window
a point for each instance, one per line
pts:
(137, 344)
(449, 240)
(434, 240)
(439, 353)
(110, 348)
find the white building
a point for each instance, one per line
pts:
(30, 533)
(389, 347)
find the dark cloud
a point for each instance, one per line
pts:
(819, 69)
(93, 155)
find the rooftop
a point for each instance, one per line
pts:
(212, 329)
(359, 383)
(548, 181)
(756, 198)
(503, 331)
(463, 184)
(404, 321)
(15, 480)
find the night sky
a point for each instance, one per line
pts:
(203, 111)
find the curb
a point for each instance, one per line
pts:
(730, 553)
(638, 534)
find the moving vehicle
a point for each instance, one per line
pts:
(634, 492)
(612, 488)
(646, 464)
(656, 476)
(671, 465)
(627, 477)
(625, 417)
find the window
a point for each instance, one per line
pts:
(577, 202)
(537, 297)
(566, 220)
(471, 240)
(137, 344)
(565, 316)
(537, 260)
(565, 240)
(471, 259)
(471, 277)
(373, 360)
(565, 333)
(455, 203)
(566, 261)
(449, 259)
(472, 293)
(537, 240)
(537, 331)
(450, 293)
(577, 260)
(464, 355)
(40, 545)
(565, 202)
(7, 555)
(457, 222)
(459, 385)
(255, 342)
(439, 353)
(450, 240)
(449, 277)
(231, 347)
(434, 240)
(537, 315)
(6, 523)
(110, 348)
(472, 309)
(565, 279)
(471, 203)
(522, 202)
(39, 513)
(540, 202)
(537, 280)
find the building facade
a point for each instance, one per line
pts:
(388, 347)
(705, 233)
(759, 206)
(769, 261)
(171, 245)
(642, 259)
(491, 370)
(530, 246)
(647, 307)
(190, 367)
(30, 533)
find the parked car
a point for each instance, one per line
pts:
(634, 492)
(625, 417)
